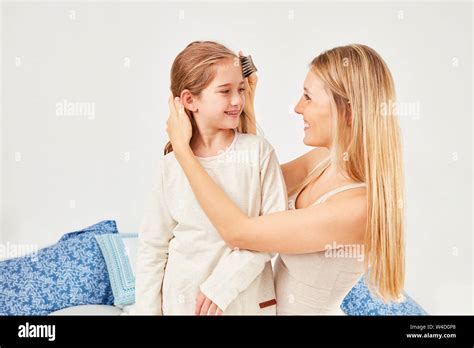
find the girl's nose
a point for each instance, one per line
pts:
(236, 99)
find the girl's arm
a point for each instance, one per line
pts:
(306, 230)
(236, 272)
(155, 233)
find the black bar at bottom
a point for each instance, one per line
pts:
(135, 330)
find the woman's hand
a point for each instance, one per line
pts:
(250, 85)
(204, 306)
(250, 88)
(178, 126)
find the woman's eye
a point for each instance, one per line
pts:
(225, 92)
(242, 90)
(306, 97)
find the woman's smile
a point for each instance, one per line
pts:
(306, 125)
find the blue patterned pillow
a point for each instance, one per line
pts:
(119, 266)
(359, 301)
(69, 273)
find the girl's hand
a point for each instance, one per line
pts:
(178, 126)
(204, 306)
(250, 88)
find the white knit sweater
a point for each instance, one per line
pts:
(180, 251)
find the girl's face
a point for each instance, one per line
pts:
(220, 104)
(316, 108)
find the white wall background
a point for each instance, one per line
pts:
(63, 173)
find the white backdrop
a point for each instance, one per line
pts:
(84, 105)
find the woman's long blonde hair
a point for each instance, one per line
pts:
(370, 151)
(194, 68)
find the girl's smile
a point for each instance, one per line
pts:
(232, 114)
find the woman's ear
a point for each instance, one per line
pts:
(188, 100)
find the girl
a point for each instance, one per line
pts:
(183, 266)
(348, 191)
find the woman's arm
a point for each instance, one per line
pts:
(296, 231)
(339, 220)
(249, 109)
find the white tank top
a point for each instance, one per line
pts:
(316, 283)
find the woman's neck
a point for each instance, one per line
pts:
(334, 176)
(211, 142)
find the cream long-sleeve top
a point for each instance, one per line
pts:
(180, 252)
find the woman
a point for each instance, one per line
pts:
(347, 191)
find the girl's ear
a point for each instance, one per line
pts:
(188, 100)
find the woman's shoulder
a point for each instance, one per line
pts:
(304, 164)
(314, 157)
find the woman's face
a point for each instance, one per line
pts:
(316, 109)
(220, 104)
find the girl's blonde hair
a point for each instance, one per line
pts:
(194, 68)
(370, 151)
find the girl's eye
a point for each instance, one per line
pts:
(225, 92)
(306, 97)
(242, 89)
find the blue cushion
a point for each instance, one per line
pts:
(360, 301)
(120, 270)
(71, 272)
